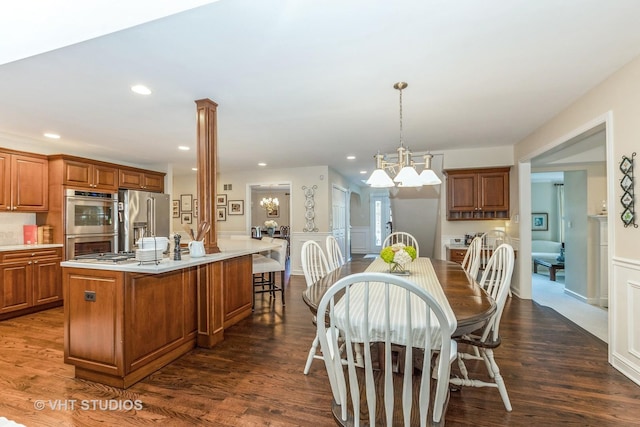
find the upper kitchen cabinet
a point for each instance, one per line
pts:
(136, 179)
(476, 194)
(83, 173)
(24, 185)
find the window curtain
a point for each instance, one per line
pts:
(560, 222)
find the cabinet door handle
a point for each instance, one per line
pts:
(35, 262)
(29, 263)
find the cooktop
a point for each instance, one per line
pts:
(108, 257)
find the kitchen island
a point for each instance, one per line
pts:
(125, 321)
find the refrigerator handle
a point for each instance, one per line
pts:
(150, 225)
(153, 218)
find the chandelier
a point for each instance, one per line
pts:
(270, 204)
(402, 165)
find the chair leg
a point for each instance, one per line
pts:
(502, 388)
(282, 285)
(312, 354)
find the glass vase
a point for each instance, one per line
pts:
(396, 268)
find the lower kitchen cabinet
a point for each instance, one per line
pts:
(30, 280)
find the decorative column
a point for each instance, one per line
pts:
(207, 131)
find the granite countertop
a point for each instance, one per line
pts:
(7, 248)
(229, 249)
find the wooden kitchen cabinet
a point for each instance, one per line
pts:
(456, 254)
(30, 280)
(85, 174)
(136, 179)
(24, 183)
(477, 194)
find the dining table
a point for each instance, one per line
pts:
(446, 281)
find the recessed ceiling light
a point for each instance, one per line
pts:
(52, 135)
(141, 89)
(183, 148)
(351, 157)
(363, 172)
(194, 169)
(262, 164)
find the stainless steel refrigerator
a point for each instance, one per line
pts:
(141, 214)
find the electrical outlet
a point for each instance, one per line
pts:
(90, 296)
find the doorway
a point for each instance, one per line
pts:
(340, 216)
(380, 220)
(259, 215)
(582, 161)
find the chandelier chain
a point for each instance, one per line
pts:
(401, 139)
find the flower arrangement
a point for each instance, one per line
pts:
(270, 223)
(398, 256)
(271, 226)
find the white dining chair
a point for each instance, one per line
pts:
(334, 254)
(471, 261)
(382, 311)
(490, 241)
(496, 280)
(314, 267)
(265, 268)
(401, 237)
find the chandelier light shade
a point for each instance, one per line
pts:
(402, 165)
(270, 204)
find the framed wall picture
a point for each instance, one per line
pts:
(236, 207)
(175, 208)
(221, 200)
(539, 221)
(186, 201)
(186, 218)
(221, 214)
(195, 208)
(275, 212)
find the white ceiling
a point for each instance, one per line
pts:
(306, 82)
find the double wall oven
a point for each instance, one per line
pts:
(91, 222)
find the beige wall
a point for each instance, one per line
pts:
(296, 177)
(619, 94)
(616, 100)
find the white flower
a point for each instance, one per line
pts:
(402, 257)
(270, 223)
(397, 246)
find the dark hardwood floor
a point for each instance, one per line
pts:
(555, 372)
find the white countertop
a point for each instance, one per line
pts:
(228, 249)
(7, 248)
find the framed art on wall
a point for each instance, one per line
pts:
(236, 207)
(187, 218)
(275, 213)
(221, 200)
(221, 214)
(539, 221)
(185, 202)
(175, 208)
